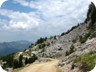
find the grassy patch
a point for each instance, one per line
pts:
(86, 61)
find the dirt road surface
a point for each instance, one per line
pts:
(41, 67)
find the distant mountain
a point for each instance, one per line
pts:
(14, 46)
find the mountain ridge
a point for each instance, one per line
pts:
(14, 46)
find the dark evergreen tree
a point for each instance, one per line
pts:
(15, 64)
(20, 61)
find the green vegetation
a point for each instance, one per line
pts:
(55, 37)
(74, 41)
(74, 27)
(72, 49)
(41, 40)
(31, 60)
(87, 61)
(42, 45)
(30, 46)
(19, 63)
(8, 59)
(16, 63)
(84, 38)
(63, 33)
(48, 44)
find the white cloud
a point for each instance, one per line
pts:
(50, 8)
(22, 2)
(60, 13)
(20, 20)
(55, 13)
(48, 17)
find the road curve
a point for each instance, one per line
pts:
(42, 67)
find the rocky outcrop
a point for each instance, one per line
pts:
(91, 16)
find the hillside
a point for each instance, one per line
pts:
(75, 50)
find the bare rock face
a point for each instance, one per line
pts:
(91, 16)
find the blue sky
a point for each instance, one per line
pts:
(32, 19)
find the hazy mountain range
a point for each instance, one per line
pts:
(11, 47)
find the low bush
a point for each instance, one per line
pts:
(41, 40)
(8, 59)
(74, 27)
(72, 49)
(31, 60)
(42, 45)
(87, 61)
(84, 38)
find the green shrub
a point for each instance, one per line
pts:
(74, 27)
(48, 44)
(74, 41)
(84, 38)
(87, 61)
(55, 37)
(30, 46)
(8, 59)
(72, 49)
(15, 64)
(42, 45)
(63, 33)
(67, 53)
(41, 40)
(20, 61)
(31, 60)
(11, 62)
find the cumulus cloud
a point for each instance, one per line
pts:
(49, 13)
(45, 18)
(51, 8)
(22, 2)
(20, 20)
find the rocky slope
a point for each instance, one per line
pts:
(84, 52)
(74, 49)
